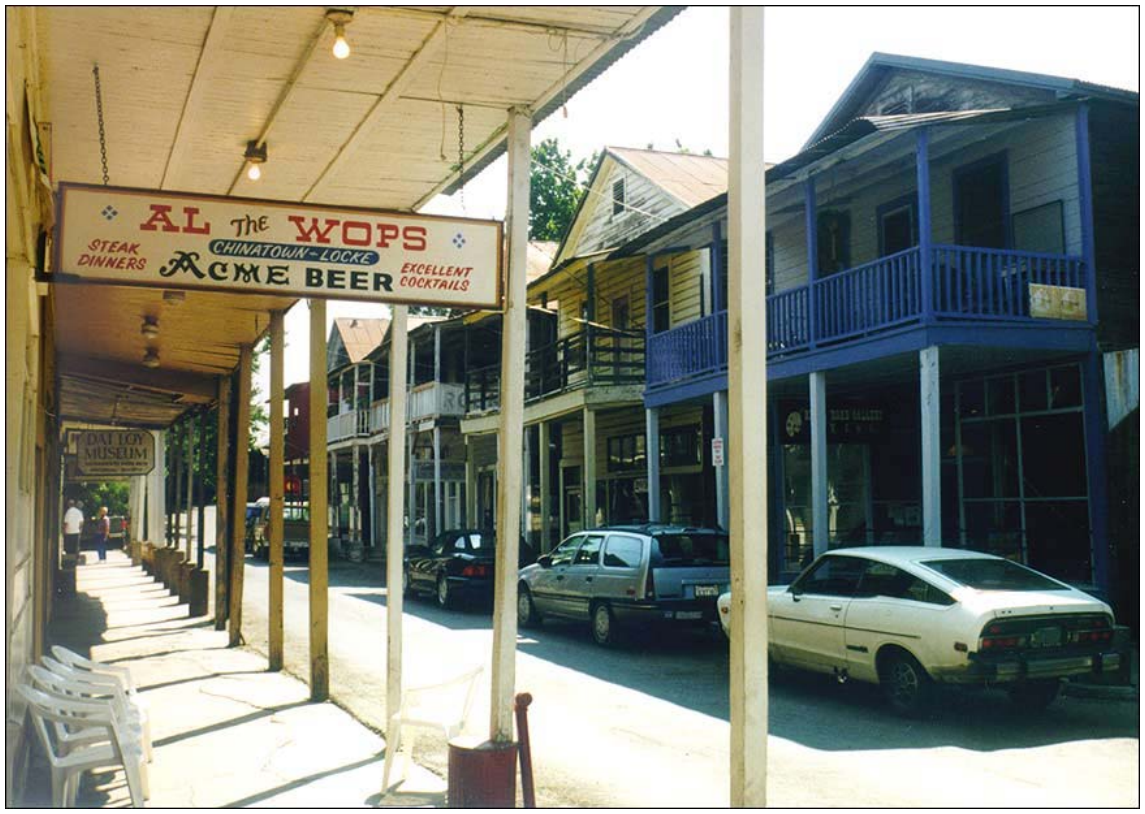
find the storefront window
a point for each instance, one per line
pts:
(680, 446)
(626, 452)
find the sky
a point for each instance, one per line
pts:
(674, 86)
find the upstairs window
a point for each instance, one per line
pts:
(661, 300)
(618, 206)
(898, 225)
(981, 204)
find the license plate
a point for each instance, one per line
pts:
(689, 614)
(1046, 637)
(706, 590)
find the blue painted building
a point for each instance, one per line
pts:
(949, 259)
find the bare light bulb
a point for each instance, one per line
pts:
(253, 172)
(341, 47)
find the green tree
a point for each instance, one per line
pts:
(556, 186)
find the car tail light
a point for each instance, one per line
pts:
(1002, 636)
(475, 571)
(649, 586)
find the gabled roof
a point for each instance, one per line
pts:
(360, 335)
(540, 258)
(879, 65)
(689, 178)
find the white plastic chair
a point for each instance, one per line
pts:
(71, 734)
(67, 768)
(73, 659)
(440, 707)
(97, 685)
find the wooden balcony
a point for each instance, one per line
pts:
(959, 284)
(592, 357)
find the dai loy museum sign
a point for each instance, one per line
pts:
(179, 240)
(114, 453)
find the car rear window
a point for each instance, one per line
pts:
(687, 550)
(994, 575)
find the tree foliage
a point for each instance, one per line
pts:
(556, 186)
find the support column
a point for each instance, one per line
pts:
(200, 559)
(177, 437)
(1096, 470)
(190, 549)
(319, 486)
(589, 469)
(922, 169)
(157, 492)
(395, 464)
(470, 485)
(820, 521)
(137, 495)
(510, 432)
(545, 487)
(238, 526)
(811, 227)
(931, 424)
(222, 501)
(437, 507)
(652, 441)
(720, 413)
(355, 546)
(747, 395)
(373, 487)
(277, 493)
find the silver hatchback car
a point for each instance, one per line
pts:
(625, 575)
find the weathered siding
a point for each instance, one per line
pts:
(924, 92)
(690, 295)
(598, 228)
(1114, 138)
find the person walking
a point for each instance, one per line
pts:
(73, 526)
(103, 531)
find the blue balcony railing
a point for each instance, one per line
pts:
(966, 284)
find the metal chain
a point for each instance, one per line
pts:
(461, 152)
(99, 114)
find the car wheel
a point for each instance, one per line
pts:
(527, 615)
(1034, 696)
(604, 630)
(906, 684)
(444, 595)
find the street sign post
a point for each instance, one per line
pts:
(203, 242)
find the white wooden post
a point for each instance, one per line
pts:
(652, 441)
(747, 392)
(319, 518)
(437, 507)
(589, 472)
(509, 436)
(277, 493)
(720, 412)
(157, 491)
(931, 446)
(820, 523)
(395, 464)
(545, 487)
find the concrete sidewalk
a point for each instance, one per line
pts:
(226, 732)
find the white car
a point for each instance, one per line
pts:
(905, 617)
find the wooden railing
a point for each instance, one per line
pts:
(352, 424)
(965, 284)
(594, 356)
(693, 349)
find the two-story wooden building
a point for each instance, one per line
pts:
(948, 258)
(584, 446)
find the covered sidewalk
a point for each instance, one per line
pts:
(226, 732)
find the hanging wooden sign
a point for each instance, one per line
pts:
(179, 240)
(114, 453)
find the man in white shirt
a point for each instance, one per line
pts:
(73, 524)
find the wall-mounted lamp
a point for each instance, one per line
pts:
(151, 358)
(150, 329)
(340, 17)
(255, 154)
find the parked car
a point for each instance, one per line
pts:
(909, 617)
(295, 531)
(627, 575)
(457, 563)
(117, 526)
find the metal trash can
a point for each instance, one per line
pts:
(482, 774)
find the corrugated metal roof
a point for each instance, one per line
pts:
(689, 178)
(360, 335)
(540, 258)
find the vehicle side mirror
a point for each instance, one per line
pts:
(795, 592)
(545, 561)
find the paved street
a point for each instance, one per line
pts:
(646, 725)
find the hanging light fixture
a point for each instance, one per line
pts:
(150, 329)
(151, 358)
(340, 17)
(255, 154)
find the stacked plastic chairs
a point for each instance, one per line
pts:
(87, 715)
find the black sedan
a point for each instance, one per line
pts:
(457, 563)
